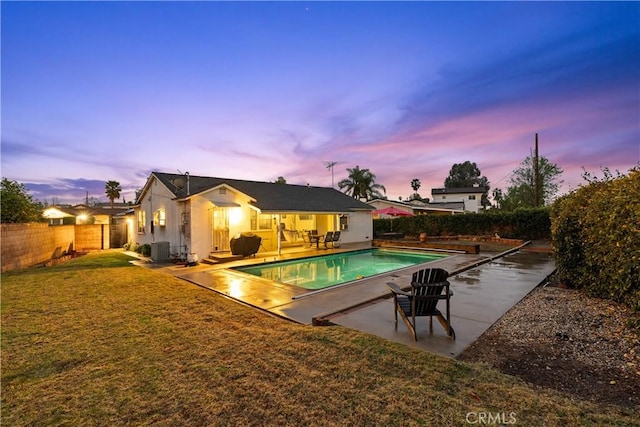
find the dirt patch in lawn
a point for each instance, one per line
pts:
(563, 340)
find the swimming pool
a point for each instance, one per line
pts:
(330, 270)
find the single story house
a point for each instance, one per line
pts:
(199, 215)
(116, 221)
(86, 214)
(418, 207)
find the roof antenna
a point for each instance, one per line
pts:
(330, 165)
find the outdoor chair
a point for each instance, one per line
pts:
(327, 239)
(335, 242)
(313, 237)
(428, 286)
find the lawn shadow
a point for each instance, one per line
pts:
(87, 261)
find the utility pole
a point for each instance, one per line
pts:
(536, 171)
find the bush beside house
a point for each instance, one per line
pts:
(596, 237)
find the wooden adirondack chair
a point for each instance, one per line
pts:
(428, 286)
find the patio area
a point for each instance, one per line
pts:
(485, 287)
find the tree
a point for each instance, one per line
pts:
(361, 184)
(467, 174)
(280, 180)
(415, 184)
(464, 175)
(112, 189)
(498, 197)
(16, 205)
(522, 191)
(92, 201)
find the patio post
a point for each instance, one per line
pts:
(278, 235)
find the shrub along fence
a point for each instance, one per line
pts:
(526, 224)
(596, 237)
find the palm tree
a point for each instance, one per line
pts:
(112, 189)
(415, 184)
(361, 184)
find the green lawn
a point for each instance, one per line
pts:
(97, 341)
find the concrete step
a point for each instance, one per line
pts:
(220, 257)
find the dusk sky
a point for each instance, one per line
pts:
(98, 91)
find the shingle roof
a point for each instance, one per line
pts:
(463, 190)
(447, 205)
(269, 196)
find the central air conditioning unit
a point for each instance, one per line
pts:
(160, 251)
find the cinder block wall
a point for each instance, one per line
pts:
(24, 245)
(92, 237)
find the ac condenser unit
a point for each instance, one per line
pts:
(160, 251)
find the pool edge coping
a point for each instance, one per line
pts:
(324, 319)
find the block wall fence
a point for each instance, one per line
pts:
(25, 245)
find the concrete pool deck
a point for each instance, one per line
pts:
(485, 287)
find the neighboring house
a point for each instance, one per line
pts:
(199, 215)
(117, 219)
(83, 214)
(384, 203)
(418, 207)
(470, 197)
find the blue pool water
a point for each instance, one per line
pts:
(330, 270)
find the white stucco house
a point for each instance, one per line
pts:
(199, 215)
(469, 197)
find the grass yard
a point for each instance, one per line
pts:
(98, 341)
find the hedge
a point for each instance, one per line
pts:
(525, 224)
(596, 238)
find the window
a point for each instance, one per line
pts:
(160, 217)
(260, 221)
(472, 197)
(141, 221)
(344, 222)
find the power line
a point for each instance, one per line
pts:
(510, 173)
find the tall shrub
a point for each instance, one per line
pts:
(525, 224)
(596, 237)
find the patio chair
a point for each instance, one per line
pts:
(427, 288)
(327, 239)
(335, 242)
(333, 239)
(313, 237)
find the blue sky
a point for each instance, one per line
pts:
(97, 91)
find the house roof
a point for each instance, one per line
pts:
(446, 206)
(391, 203)
(267, 196)
(451, 206)
(72, 211)
(462, 190)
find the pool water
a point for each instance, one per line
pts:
(330, 270)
